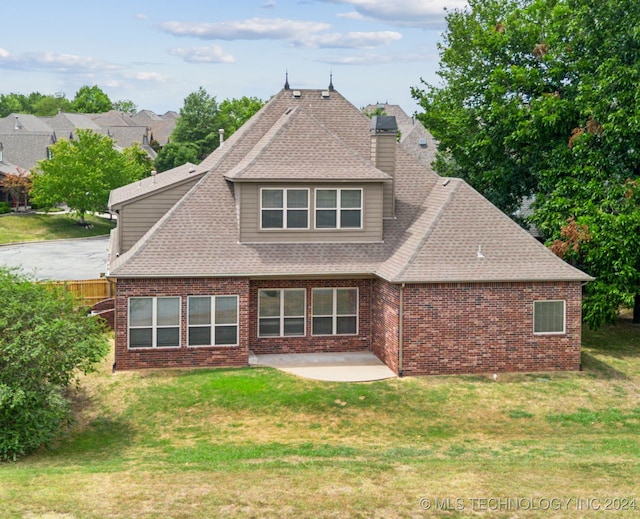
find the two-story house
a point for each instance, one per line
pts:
(313, 230)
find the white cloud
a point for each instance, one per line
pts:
(141, 16)
(153, 77)
(411, 13)
(4, 53)
(211, 54)
(352, 15)
(250, 29)
(269, 4)
(352, 40)
(379, 59)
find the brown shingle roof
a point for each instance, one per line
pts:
(433, 238)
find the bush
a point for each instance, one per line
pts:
(5, 207)
(45, 341)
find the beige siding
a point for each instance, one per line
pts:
(249, 196)
(136, 218)
(383, 156)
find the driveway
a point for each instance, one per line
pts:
(83, 258)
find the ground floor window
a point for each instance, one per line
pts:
(281, 312)
(213, 320)
(548, 317)
(335, 311)
(154, 322)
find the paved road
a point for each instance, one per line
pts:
(59, 260)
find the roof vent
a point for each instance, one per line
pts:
(423, 142)
(17, 124)
(326, 94)
(297, 93)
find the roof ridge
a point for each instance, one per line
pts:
(262, 144)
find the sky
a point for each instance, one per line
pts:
(155, 53)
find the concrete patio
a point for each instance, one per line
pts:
(332, 367)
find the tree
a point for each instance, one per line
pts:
(233, 113)
(82, 172)
(125, 106)
(176, 154)
(45, 340)
(17, 186)
(91, 100)
(198, 123)
(51, 105)
(539, 98)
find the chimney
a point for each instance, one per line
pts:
(384, 130)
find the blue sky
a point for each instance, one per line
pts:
(155, 53)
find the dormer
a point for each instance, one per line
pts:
(301, 183)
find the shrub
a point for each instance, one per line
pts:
(45, 341)
(5, 207)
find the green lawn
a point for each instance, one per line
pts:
(34, 227)
(256, 442)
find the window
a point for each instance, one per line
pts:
(284, 208)
(335, 311)
(548, 317)
(213, 320)
(154, 322)
(281, 312)
(338, 208)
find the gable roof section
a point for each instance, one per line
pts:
(150, 185)
(299, 148)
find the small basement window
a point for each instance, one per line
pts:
(549, 317)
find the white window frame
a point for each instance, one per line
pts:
(285, 208)
(154, 323)
(334, 316)
(212, 321)
(281, 316)
(564, 316)
(338, 209)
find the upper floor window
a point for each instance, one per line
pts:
(338, 208)
(281, 312)
(213, 320)
(548, 317)
(154, 322)
(284, 208)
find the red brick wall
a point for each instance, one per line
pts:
(476, 328)
(309, 343)
(384, 326)
(183, 356)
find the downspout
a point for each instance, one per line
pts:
(401, 332)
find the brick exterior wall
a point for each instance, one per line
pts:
(310, 343)
(447, 328)
(487, 328)
(385, 331)
(184, 356)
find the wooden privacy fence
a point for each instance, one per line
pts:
(89, 291)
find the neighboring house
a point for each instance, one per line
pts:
(26, 138)
(312, 230)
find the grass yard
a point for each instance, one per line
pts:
(256, 442)
(35, 227)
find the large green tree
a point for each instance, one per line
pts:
(197, 131)
(539, 98)
(82, 172)
(91, 100)
(45, 341)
